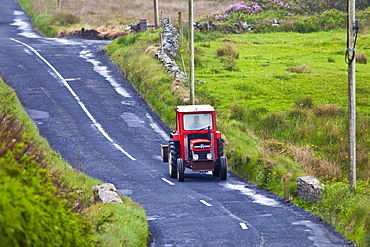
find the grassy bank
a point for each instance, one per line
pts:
(281, 104)
(44, 200)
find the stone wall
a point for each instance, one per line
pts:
(310, 188)
(168, 49)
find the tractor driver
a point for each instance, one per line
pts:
(196, 125)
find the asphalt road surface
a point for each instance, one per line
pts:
(91, 114)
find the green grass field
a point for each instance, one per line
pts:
(260, 77)
(281, 101)
(291, 91)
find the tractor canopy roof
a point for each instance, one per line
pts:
(195, 108)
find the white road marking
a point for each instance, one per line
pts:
(168, 181)
(96, 124)
(206, 203)
(24, 27)
(257, 198)
(243, 226)
(73, 79)
(130, 103)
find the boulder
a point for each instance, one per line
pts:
(310, 188)
(106, 192)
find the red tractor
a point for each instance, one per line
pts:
(196, 144)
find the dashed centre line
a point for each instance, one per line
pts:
(243, 226)
(168, 181)
(206, 203)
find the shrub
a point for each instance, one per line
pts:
(364, 16)
(329, 110)
(229, 64)
(227, 51)
(273, 121)
(44, 24)
(331, 60)
(331, 19)
(204, 36)
(306, 25)
(128, 39)
(65, 20)
(265, 28)
(198, 61)
(205, 44)
(361, 58)
(238, 112)
(367, 230)
(304, 103)
(299, 69)
(287, 25)
(298, 112)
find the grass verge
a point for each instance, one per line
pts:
(37, 181)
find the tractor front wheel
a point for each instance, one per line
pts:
(180, 170)
(223, 168)
(216, 172)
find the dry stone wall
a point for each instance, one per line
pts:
(310, 188)
(168, 49)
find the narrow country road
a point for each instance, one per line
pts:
(91, 114)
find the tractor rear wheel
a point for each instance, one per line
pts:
(223, 168)
(220, 147)
(172, 159)
(180, 170)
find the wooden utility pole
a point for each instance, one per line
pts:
(191, 53)
(352, 29)
(180, 29)
(156, 15)
(59, 6)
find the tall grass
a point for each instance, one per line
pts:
(299, 69)
(361, 58)
(227, 51)
(318, 133)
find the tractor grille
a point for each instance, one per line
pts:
(196, 136)
(202, 155)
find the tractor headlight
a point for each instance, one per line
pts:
(209, 156)
(195, 157)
